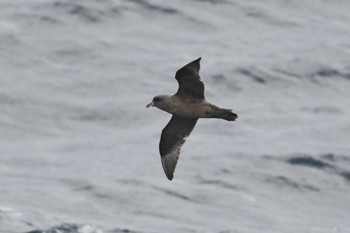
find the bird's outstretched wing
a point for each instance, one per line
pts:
(173, 137)
(190, 84)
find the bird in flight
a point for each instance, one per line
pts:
(187, 105)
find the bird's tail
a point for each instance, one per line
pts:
(225, 114)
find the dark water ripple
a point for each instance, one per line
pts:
(253, 75)
(330, 72)
(222, 80)
(84, 12)
(35, 18)
(308, 161)
(174, 194)
(68, 228)
(282, 181)
(314, 74)
(334, 166)
(78, 228)
(214, 2)
(94, 191)
(219, 183)
(345, 175)
(153, 7)
(124, 231)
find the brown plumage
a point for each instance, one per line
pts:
(186, 106)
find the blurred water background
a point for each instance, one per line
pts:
(79, 150)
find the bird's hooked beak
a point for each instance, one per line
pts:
(150, 105)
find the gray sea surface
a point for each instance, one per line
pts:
(79, 149)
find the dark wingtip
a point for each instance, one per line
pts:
(194, 65)
(169, 171)
(233, 116)
(170, 177)
(227, 114)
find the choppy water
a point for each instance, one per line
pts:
(79, 150)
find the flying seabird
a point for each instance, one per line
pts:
(186, 106)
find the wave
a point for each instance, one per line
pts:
(79, 228)
(319, 163)
(69, 228)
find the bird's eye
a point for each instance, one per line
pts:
(155, 99)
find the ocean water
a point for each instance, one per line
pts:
(79, 149)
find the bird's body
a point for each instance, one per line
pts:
(191, 108)
(186, 106)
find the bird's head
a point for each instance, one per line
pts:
(161, 102)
